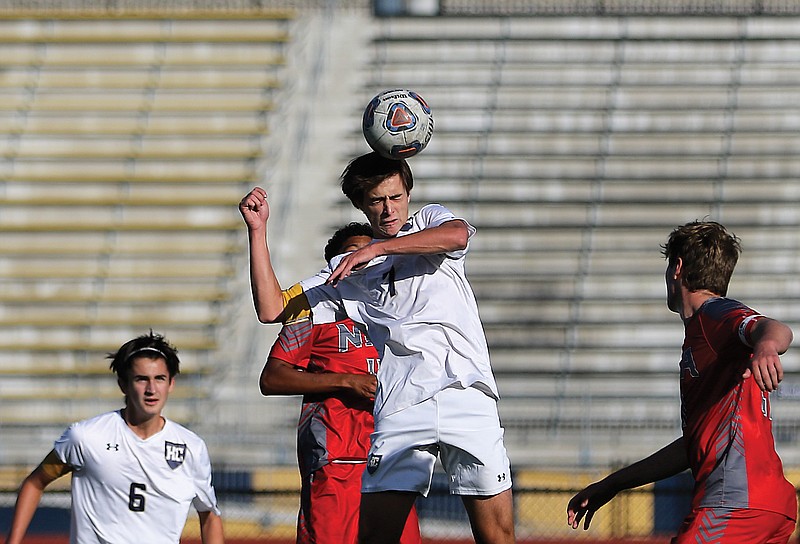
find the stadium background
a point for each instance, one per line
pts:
(573, 134)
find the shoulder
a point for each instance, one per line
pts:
(86, 435)
(433, 213)
(177, 430)
(87, 426)
(721, 309)
(729, 318)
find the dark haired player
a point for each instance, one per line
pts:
(134, 473)
(729, 364)
(332, 364)
(436, 397)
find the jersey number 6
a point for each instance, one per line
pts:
(136, 498)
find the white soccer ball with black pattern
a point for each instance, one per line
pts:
(397, 124)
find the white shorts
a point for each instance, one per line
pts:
(461, 426)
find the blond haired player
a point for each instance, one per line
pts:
(730, 362)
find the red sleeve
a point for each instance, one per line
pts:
(294, 344)
(746, 327)
(726, 320)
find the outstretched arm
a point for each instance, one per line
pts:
(281, 378)
(211, 528)
(770, 340)
(668, 461)
(450, 236)
(266, 289)
(30, 493)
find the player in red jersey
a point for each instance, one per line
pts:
(333, 365)
(730, 363)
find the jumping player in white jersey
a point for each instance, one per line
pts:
(436, 394)
(134, 473)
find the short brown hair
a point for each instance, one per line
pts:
(151, 345)
(366, 172)
(709, 254)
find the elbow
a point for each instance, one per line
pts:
(460, 238)
(264, 386)
(266, 320)
(270, 381)
(463, 241)
(268, 317)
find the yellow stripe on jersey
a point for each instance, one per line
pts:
(53, 467)
(295, 304)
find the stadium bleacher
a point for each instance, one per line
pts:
(127, 143)
(574, 144)
(575, 147)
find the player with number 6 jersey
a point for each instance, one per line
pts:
(135, 474)
(123, 485)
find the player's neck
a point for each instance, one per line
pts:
(143, 426)
(692, 300)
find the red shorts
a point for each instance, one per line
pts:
(734, 527)
(329, 504)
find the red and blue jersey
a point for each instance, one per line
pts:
(726, 419)
(332, 427)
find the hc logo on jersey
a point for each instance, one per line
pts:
(373, 463)
(174, 454)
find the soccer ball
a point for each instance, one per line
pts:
(397, 124)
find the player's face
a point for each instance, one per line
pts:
(148, 388)
(386, 207)
(355, 242)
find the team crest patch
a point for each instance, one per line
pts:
(373, 463)
(174, 454)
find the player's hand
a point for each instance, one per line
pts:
(585, 503)
(364, 385)
(353, 261)
(769, 338)
(255, 208)
(765, 367)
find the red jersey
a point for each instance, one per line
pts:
(332, 428)
(727, 424)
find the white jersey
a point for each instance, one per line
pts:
(420, 314)
(127, 489)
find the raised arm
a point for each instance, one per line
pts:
(770, 339)
(668, 461)
(267, 297)
(30, 493)
(450, 236)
